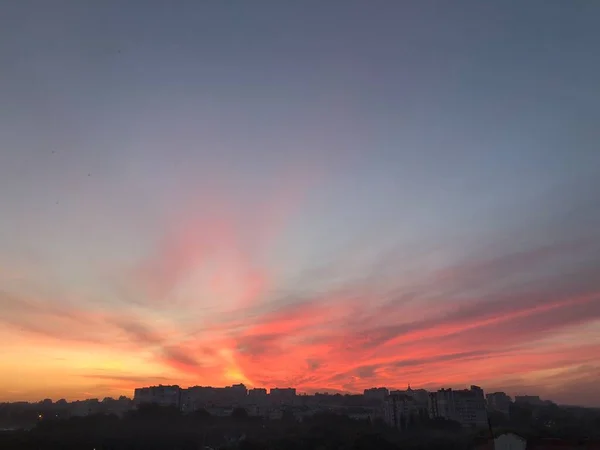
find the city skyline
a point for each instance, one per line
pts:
(268, 391)
(400, 409)
(327, 195)
(252, 393)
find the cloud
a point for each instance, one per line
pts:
(127, 379)
(139, 332)
(332, 334)
(51, 319)
(208, 316)
(179, 359)
(214, 251)
(489, 272)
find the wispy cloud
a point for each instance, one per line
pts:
(208, 311)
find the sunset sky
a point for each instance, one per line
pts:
(331, 195)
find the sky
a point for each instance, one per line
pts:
(327, 195)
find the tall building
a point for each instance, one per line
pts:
(257, 402)
(376, 393)
(471, 407)
(499, 402)
(465, 406)
(238, 393)
(399, 410)
(257, 395)
(283, 396)
(159, 395)
(441, 404)
(420, 397)
(198, 397)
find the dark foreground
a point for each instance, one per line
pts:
(166, 429)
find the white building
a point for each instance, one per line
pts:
(465, 406)
(509, 441)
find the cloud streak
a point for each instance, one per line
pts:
(351, 337)
(209, 309)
